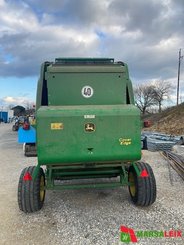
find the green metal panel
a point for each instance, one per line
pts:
(87, 68)
(65, 87)
(62, 136)
(83, 60)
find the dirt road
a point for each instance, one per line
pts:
(85, 216)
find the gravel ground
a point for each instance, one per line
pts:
(85, 216)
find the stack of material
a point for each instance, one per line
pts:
(176, 161)
(160, 142)
(155, 144)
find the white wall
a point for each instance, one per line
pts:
(10, 113)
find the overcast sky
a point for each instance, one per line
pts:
(146, 34)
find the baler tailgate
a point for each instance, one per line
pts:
(72, 134)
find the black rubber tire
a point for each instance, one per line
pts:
(145, 187)
(13, 128)
(29, 199)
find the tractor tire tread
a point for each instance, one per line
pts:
(145, 186)
(29, 191)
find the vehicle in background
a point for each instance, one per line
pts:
(19, 121)
(27, 136)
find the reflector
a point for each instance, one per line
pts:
(144, 173)
(27, 176)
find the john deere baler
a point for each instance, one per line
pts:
(87, 128)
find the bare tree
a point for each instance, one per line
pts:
(161, 92)
(144, 97)
(29, 105)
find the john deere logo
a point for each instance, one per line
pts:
(89, 127)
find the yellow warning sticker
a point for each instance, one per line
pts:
(125, 141)
(56, 126)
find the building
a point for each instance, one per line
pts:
(5, 115)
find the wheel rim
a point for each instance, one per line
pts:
(132, 184)
(42, 191)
